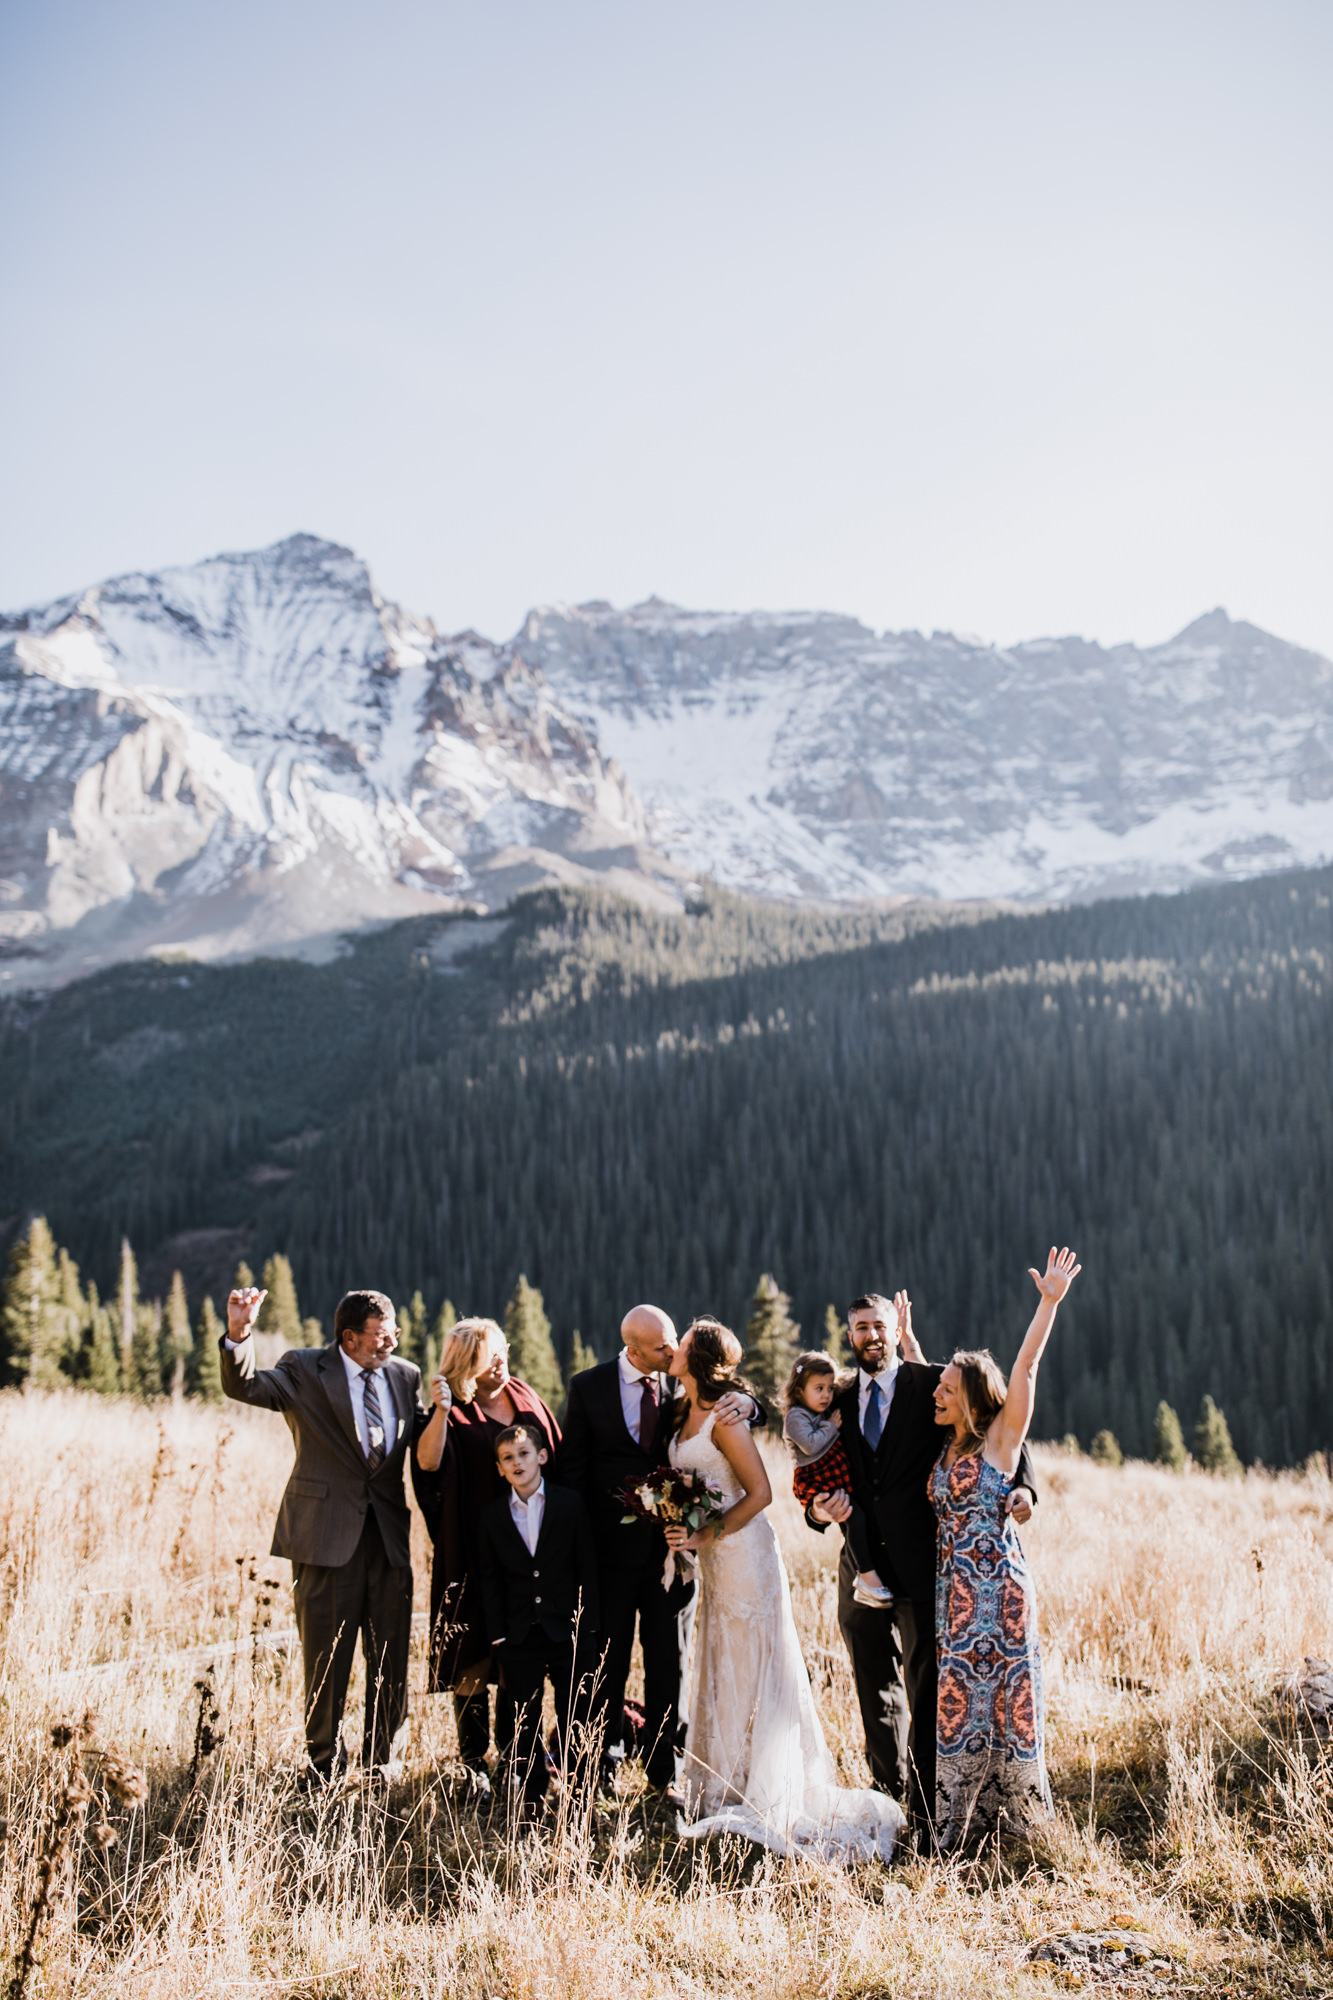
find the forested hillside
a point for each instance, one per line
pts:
(623, 1105)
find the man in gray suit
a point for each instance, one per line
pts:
(354, 1413)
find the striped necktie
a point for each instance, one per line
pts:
(374, 1422)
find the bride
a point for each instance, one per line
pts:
(756, 1762)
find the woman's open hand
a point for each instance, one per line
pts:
(1059, 1275)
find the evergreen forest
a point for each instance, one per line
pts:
(615, 1105)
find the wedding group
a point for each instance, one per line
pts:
(553, 1546)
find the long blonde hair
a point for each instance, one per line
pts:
(460, 1357)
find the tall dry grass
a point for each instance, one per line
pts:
(1194, 1805)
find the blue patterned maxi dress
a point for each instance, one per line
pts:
(990, 1732)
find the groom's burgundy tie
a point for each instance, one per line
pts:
(647, 1412)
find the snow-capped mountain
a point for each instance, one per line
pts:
(799, 754)
(258, 752)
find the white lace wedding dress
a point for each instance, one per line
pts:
(756, 1762)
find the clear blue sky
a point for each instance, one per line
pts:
(1011, 318)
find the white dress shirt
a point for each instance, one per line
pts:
(887, 1380)
(528, 1516)
(383, 1397)
(632, 1380)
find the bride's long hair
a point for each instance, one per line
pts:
(713, 1357)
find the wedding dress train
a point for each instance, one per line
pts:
(756, 1763)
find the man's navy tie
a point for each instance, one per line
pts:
(873, 1428)
(374, 1422)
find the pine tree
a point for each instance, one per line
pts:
(772, 1338)
(1168, 1440)
(178, 1341)
(412, 1329)
(145, 1373)
(531, 1353)
(103, 1376)
(207, 1373)
(280, 1312)
(31, 1317)
(312, 1333)
(1105, 1449)
(243, 1278)
(75, 1314)
(445, 1319)
(835, 1339)
(581, 1358)
(1213, 1449)
(127, 1310)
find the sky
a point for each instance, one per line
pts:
(1002, 319)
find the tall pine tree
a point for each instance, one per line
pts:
(413, 1328)
(772, 1339)
(127, 1311)
(207, 1374)
(1213, 1449)
(177, 1340)
(531, 1351)
(145, 1376)
(1168, 1440)
(32, 1319)
(835, 1338)
(280, 1312)
(433, 1346)
(103, 1375)
(581, 1358)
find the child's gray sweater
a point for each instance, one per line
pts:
(808, 1435)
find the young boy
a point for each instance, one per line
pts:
(539, 1594)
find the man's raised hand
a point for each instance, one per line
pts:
(733, 1408)
(242, 1312)
(911, 1346)
(1059, 1275)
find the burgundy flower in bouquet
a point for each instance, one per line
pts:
(674, 1500)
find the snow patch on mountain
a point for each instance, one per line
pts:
(802, 754)
(258, 751)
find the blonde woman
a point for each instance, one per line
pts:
(454, 1475)
(990, 1752)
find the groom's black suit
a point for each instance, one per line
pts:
(893, 1652)
(597, 1455)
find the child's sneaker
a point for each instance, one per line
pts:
(874, 1595)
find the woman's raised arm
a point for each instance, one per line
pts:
(430, 1444)
(1011, 1426)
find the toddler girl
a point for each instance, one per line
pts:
(821, 1465)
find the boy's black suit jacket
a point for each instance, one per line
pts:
(891, 1481)
(555, 1587)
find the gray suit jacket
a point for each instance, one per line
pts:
(324, 1507)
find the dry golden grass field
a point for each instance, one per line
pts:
(1195, 1802)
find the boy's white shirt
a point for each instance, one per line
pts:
(527, 1515)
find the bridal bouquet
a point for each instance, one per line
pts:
(674, 1500)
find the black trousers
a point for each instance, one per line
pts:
(370, 1598)
(627, 1598)
(895, 1668)
(526, 1665)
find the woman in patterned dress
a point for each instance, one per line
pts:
(990, 1726)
